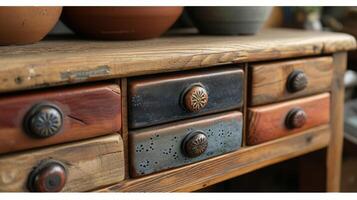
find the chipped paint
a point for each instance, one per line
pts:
(85, 74)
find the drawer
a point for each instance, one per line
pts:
(73, 167)
(277, 81)
(274, 121)
(180, 143)
(59, 115)
(169, 97)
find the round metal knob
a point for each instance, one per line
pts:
(296, 118)
(48, 176)
(297, 81)
(195, 144)
(196, 98)
(43, 120)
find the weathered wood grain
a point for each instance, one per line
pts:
(125, 129)
(245, 103)
(334, 151)
(269, 80)
(90, 164)
(269, 122)
(209, 172)
(66, 61)
(88, 111)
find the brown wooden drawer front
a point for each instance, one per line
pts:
(163, 147)
(86, 111)
(277, 81)
(88, 165)
(273, 121)
(165, 98)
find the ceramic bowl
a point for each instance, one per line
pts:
(229, 20)
(120, 23)
(26, 25)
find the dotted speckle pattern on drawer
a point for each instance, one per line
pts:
(161, 148)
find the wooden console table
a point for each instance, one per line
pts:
(177, 113)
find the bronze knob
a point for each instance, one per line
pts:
(195, 144)
(48, 176)
(196, 98)
(43, 120)
(297, 81)
(296, 118)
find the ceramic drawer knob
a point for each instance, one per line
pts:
(297, 81)
(195, 144)
(196, 98)
(49, 176)
(296, 118)
(43, 120)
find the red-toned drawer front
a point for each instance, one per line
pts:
(86, 111)
(277, 120)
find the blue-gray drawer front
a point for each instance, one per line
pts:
(159, 148)
(157, 99)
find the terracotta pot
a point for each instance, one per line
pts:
(120, 23)
(229, 20)
(25, 25)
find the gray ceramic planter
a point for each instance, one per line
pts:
(229, 20)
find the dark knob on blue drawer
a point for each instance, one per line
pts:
(297, 81)
(195, 144)
(43, 120)
(48, 176)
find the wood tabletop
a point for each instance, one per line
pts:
(68, 60)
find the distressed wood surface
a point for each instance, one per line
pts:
(334, 151)
(269, 80)
(205, 173)
(66, 61)
(88, 111)
(90, 164)
(125, 129)
(159, 99)
(245, 104)
(159, 148)
(268, 122)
